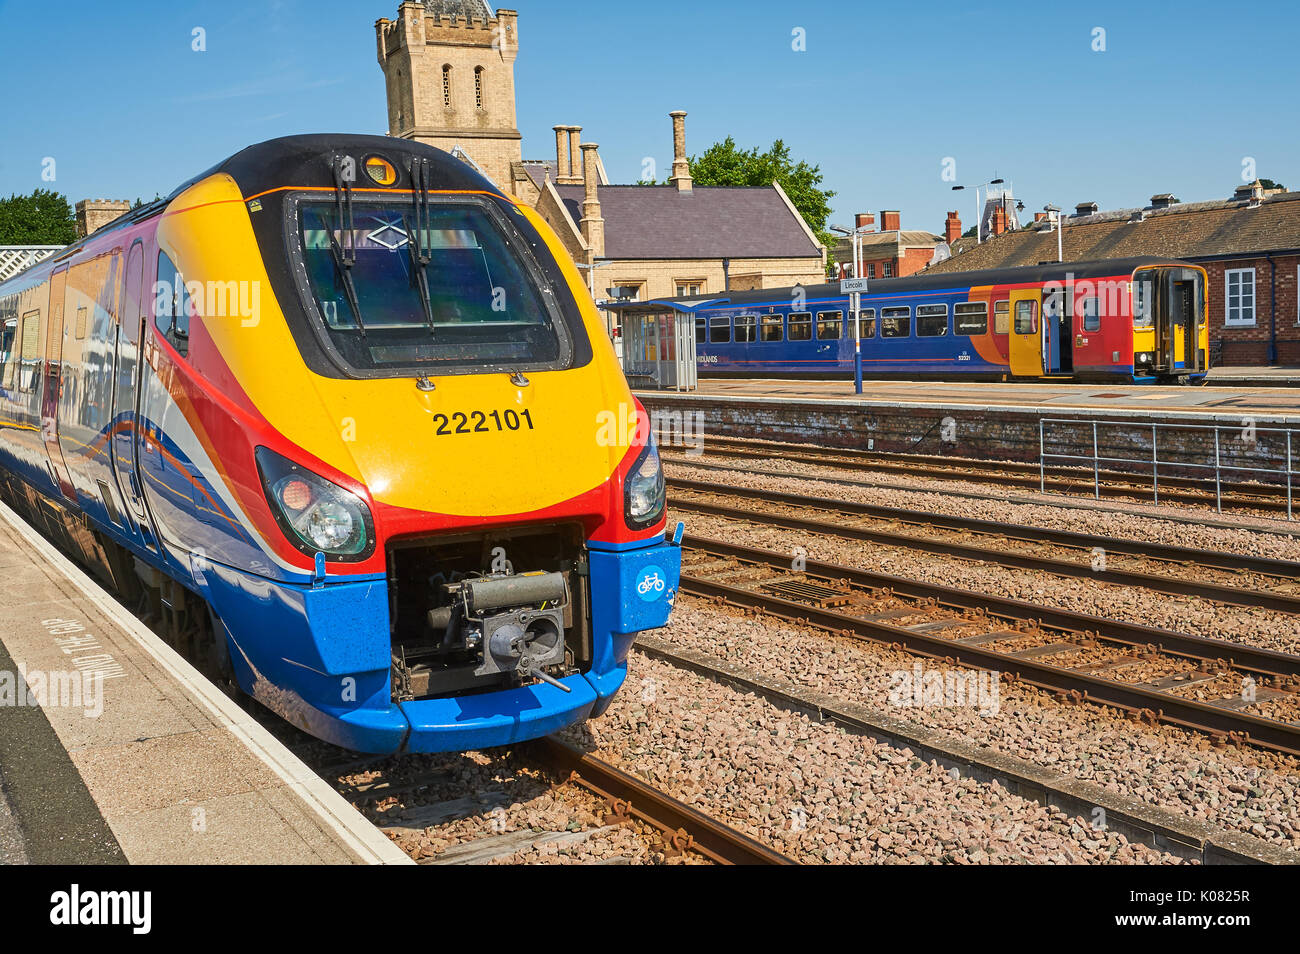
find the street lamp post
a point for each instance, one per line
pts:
(979, 212)
(1055, 214)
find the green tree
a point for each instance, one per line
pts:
(1270, 184)
(42, 218)
(725, 164)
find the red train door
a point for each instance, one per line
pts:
(53, 390)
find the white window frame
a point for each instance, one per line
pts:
(1228, 321)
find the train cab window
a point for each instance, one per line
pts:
(830, 325)
(971, 318)
(171, 307)
(896, 322)
(1001, 317)
(1143, 293)
(719, 329)
(1026, 317)
(800, 326)
(1091, 310)
(867, 323)
(746, 328)
(772, 329)
(931, 321)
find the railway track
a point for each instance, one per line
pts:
(683, 829)
(1224, 577)
(1234, 693)
(1235, 496)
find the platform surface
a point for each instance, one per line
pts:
(1192, 401)
(170, 771)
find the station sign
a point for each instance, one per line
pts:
(850, 286)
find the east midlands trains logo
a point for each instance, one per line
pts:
(652, 583)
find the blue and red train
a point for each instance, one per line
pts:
(1139, 320)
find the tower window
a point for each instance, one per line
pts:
(446, 86)
(478, 87)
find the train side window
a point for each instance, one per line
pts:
(82, 321)
(772, 329)
(9, 351)
(1001, 317)
(830, 325)
(719, 329)
(1091, 309)
(31, 351)
(701, 329)
(931, 321)
(800, 326)
(896, 322)
(867, 323)
(1026, 317)
(746, 328)
(171, 314)
(971, 318)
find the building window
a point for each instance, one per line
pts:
(871, 270)
(830, 325)
(446, 87)
(1240, 285)
(887, 270)
(746, 326)
(688, 288)
(971, 318)
(896, 322)
(1001, 317)
(800, 326)
(772, 329)
(931, 321)
(478, 87)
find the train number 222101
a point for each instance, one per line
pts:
(480, 422)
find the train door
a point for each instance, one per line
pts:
(126, 391)
(53, 388)
(1182, 323)
(1058, 340)
(1025, 339)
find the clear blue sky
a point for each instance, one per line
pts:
(884, 92)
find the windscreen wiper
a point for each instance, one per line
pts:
(420, 255)
(345, 256)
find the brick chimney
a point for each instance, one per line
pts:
(94, 214)
(890, 221)
(952, 228)
(1040, 217)
(593, 226)
(568, 170)
(864, 220)
(999, 223)
(681, 167)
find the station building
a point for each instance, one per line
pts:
(1249, 244)
(449, 75)
(892, 251)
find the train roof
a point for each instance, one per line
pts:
(920, 282)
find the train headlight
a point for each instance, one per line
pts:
(645, 495)
(316, 515)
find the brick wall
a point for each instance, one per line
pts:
(1248, 345)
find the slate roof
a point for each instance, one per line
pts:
(462, 9)
(644, 222)
(1194, 230)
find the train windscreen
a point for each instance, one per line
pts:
(453, 292)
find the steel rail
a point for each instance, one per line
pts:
(1181, 587)
(1161, 706)
(688, 828)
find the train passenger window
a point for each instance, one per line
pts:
(719, 329)
(31, 351)
(830, 325)
(931, 321)
(701, 330)
(800, 326)
(772, 328)
(1091, 308)
(82, 316)
(896, 322)
(171, 306)
(867, 322)
(1001, 317)
(746, 328)
(9, 351)
(1026, 317)
(971, 318)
